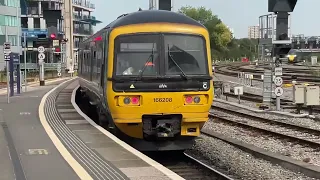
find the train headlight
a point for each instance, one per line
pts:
(196, 99)
(126, 100)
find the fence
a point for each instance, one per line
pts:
(33, 76)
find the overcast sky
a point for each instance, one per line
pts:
(237, 14)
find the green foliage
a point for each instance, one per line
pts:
(223, 45)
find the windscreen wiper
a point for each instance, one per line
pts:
(145, 64)
(182, 74)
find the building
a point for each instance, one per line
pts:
(9, 27)
(80, 25)
(253, 32)
(58, 25)
(36, 17)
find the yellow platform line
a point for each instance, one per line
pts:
(78, 169)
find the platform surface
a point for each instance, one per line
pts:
(29, 151)
(32, 152)
(109, 158)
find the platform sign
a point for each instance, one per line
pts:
(41, 56)
(238, 90)
(278, 71)
(55, 43)
(278, 81)
(7, 50)
(226, 88)
(314, 60)
(278, 91)
(41, 49)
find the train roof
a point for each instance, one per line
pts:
(152, 16)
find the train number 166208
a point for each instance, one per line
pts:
(162, 99)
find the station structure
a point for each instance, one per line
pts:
(57, 25)
(46, 134)
(48, 137)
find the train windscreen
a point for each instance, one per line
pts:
(134, 52)
(186, 53)
(145, 54)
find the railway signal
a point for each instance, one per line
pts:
(41, 57)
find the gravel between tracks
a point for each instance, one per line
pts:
(268, 142)
(307, 122)
(240, 163)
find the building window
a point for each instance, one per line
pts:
(8, 20)
(12, 3)
(12, 40)
(2, 39)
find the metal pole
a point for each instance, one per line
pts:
(8, 79)
(42, 71)
(278, 103)
(238, 96)
(7, 66)
(18, 33)
(25, 61)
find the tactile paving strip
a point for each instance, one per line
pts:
(95, 165)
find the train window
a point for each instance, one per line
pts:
(188, 51)
(133, 52)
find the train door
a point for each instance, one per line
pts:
(104, 65)
(92, 60)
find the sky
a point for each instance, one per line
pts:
(237, 14)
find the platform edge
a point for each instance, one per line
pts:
(78, 169)
(143, 157)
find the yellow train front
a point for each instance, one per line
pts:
(158, 88)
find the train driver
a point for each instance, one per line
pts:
(124, 66)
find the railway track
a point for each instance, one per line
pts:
(255, 98)
(287, 76)
(187, 166)
(285, 103)
(275, 127)
(289, 136)
(183, 164)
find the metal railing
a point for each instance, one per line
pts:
(59, 1)
(84, 3)
(35, 10)
(82, 31)
(83, 17)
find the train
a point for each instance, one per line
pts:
(301, 55)
(149, 75)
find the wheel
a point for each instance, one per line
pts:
(102, 120)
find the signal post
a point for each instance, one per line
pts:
(41, 57)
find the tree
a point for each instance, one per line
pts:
(220, 35)
(222, 43)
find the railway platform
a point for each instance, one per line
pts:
(48, 137)
(31, 155)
